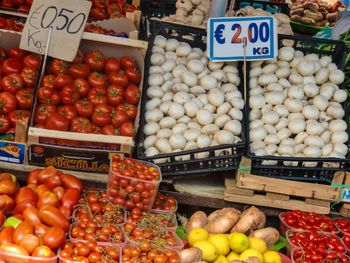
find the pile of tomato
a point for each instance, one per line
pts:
(11, 23)
(38, 214)
(94, 94)
(132, 183)
(165, 203)
(22, 5)
(307, 221)
(107, 9)
(145, 252)
(152, 220)
(19, 71)
(103, 31)
(79, 251)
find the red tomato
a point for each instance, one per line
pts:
(98, 13)
(20, 207)
(130, 109)
(43, 112)
(97, 80)
(43, 251)
(84, 108)
(6, 203)
(82, 125)
(16, 53)
(29, 76)
(62, 80)
(8, 102)
(48, 95)
(132, 94)
(97, 96)
(68, 111)
(119, 117)
(79, 71)
(25, 98)
(22, 229)
(82, 87)
(48, 198)
(48, 81)
(26, 193)
(58, 122)
(112, 65)
(115, 94)
(58, 66)
(133, 75)
(118, 78)
(127, 129)
(128, 62)
(6, 235)
(5, 123)
(11, 65)
(12, 83)
(31, 215)
(95, 60)
(102, 115)
(70, 198)
(54, 237)
(69, 95)
(52, 216)
(32, 61)
(109, 130)
(70, 181)
(30, 242)
(18, 115)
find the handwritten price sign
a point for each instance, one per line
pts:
(66, 18)
(227, 37)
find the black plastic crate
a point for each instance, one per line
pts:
(326, 167)
(234, 152)
(272, 7)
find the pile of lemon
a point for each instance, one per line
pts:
(221, 248)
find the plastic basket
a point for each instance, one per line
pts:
(191, 165)
(272, 7)
(321, 170)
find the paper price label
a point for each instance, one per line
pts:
(227, 37)
(66, 18)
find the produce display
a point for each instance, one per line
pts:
(20, 5)
(343, 225)
(164, 204)
(283, 21)
(11, 23)
(94, 94)
(92, 28)
(102, 9)
(19, 74)
(296, 107)
(190, 12)
(227, 235)
(192, 103)
(38, 213)
(132, 183)
(315, 13)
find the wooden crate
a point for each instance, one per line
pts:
(284, 194)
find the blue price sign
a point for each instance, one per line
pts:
(227, 36)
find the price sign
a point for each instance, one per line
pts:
(227, 37)
(66, 18)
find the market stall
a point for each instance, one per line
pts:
(174, 131)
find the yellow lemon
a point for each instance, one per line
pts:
(249, 253)
(221, 242)
(197, 234)
(238, 242)
(258, 244)
(209, 252)
(272, 257)
(232, 256)
(221, 259)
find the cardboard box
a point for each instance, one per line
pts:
(42, 152)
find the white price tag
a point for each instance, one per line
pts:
(226, 38)
(67, 18)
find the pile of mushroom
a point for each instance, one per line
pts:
(193, 103)
(190, 12)
(316, 13)
(296, 106)
(283, 21)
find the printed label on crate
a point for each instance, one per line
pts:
(346, 195)
(11, 152)
(227, 37)
(67, 18)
